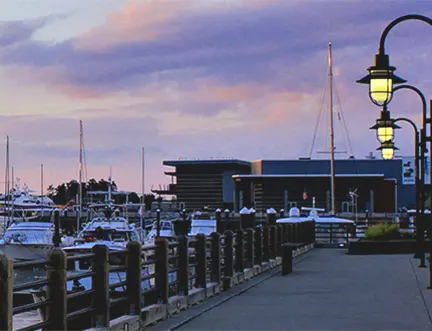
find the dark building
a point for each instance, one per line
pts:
(381, 185)
(207, 182)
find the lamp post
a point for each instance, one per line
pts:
(387, 149)
(381, 79)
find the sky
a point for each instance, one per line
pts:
(245, 79)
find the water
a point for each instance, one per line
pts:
(26, 319)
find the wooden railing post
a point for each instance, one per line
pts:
(250, 248)
(273, 242)
(215, 257)
(6, 292)
(161, 269)
(183, 261)
(258, 246)
(133, 277)
(100, 282)
(201, 279)
(228, 254)
(279, 240)
(266, 243)
(56, 290)
(239, 251)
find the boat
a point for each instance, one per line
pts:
(166, 230)
(329, 230)
(202, 222)
(30, 240)
(19, 205)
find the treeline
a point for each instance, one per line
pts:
(66, 192)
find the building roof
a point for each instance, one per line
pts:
(206, 161)
(305, 175)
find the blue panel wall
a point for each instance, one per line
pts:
(228, 186)
(390, 169)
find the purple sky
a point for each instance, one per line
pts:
(198, 78)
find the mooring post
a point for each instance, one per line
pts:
(250, 248)
(183, 260)
(430, 266)
(161, 269)
(215, 257)
(6, 292)
(228, 254)
(158, 216)
(287, 259)
(239, 251)
(133, 277)
(201, 267)
(56, 290)
(258, 246)
(100, 284)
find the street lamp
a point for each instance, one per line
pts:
(381, 80)
(385, 127)
(387, 149)
(381, 77)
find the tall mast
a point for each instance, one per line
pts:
(13, 184)
(41, 180)
(7, 188)
(143, 175)
(109, 186)
(80, 176)
(332, 148)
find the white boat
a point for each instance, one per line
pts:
(111, 231)
(328, 229)
(166, 231)
(30, 240)
(21, 206)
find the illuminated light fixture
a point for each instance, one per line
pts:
(385, 127)
(387, 149)
(381, 79)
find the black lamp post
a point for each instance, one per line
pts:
(381, 79)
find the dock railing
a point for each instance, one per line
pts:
(151, 283)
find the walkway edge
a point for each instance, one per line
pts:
(194, 312)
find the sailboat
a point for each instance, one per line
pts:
(324, 225)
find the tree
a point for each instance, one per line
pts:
(148, 199)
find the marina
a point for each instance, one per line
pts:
(205, 165)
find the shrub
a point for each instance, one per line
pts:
(382, 231)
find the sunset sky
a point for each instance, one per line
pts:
(195, 79)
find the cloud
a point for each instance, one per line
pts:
(237, 44)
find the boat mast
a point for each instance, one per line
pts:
(109, 187)
(143, 193)
(332, 147)
(7, 188)
(80, 176)
(41, 180)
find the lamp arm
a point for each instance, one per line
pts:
(420, 94)
(404, 119)
(398, 20)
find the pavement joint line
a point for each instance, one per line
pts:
(237, 291)
(421, 292)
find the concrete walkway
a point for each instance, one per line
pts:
(330, 291)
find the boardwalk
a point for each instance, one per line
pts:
(329, 290)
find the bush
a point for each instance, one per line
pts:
(382, 231)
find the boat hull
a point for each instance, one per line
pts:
(21, 252)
